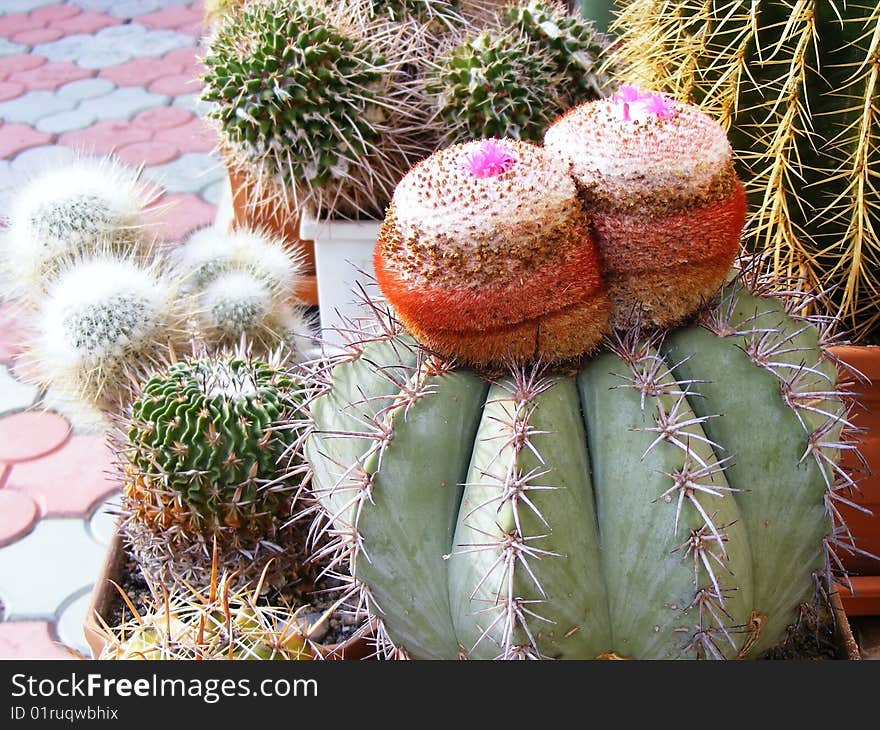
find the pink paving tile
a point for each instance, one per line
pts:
(147, 153)
(10, 89)
(171, 18)
(30, 640)
(175, 85)
(14, 64)
(14, 328)
(18, 515)
(69, 482)
(195, 29)
(4, 474)
(178, 214)
(86, 23)
(17, 23)
(187, 56)
(162, 117)
(52, 13)
(50, 75)
(31, 435)
(141, 71)
(194, 136)
(105, 137)
(17, 137)
(37, 35)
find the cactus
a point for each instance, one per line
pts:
(486, 256)
(619, 508)
(64, 213)
(103, 321)
(796, 85)
(667, 225)
(312, 106)
(203, 461)
(513, 76)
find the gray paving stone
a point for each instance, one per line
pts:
(103, 55)
(102, 523)
(14, 396)
(68, 48)
(66, 121)
(189, 173)
(33, 106)
(192, 103)
(94, 6)
(121, 33)
(23, 6)
(86, 89)
(133, 8)
(213, 194)
(40, 572)
(70, 622)
(158, 42)
(123, 103)
(37, 159)
(8, 48)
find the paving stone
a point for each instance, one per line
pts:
(37, 35)
(30, 435)
(94, 5)
(181, 213)
(70, 481)
(126, 33)
(141, 71)
(8, 48)
(90, 22)
(187, 57)
(213, 194)
(147, 153)
(14, 64)
(54, 13)
(102, 56)
(14, 328)
(192, 103)
(65, 121)
(18, 515)
(86, 89)
(15, 395)
(173, 17)
(39, 572)
(37, 159)
(25, 6)
(4, 474)
(30, 640)
(102, 523)
(162, 117)
(85, 419)
(17, 137)
(196, 29)
(50, 75)
(123, 103)
(12, 24)
(176, 84)
(133, 8)
(189, 173)
(10, 90)
(194, 136)
(158, 42)
(105, 137)
(71, 618)
(31, 107)
(66, 49)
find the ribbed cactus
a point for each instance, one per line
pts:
(665, 205)
(513, 75)
(203, 460)
(626, 507)
(66, 212)
(797, 87)
(486, 255)
(102, 322)
(311, 105)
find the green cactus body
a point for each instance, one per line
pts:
(618, 510)
(797, 87)
(202, 461)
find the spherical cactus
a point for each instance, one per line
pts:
(514, 75)
(666, 206)
(309, 103)
(102, 322)
(66, 212)
(670, 499)
(486, 256)
(202, 461)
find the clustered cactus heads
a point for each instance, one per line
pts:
(617, 509)
(485, 255)
(796, 87)
(203, 460)
(312, 106)
(667, 222)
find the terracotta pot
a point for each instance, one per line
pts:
(248, 213)
(864, 569)
(105, 595)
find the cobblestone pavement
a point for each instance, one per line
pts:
(83, 77)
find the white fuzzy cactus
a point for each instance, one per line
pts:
(102, 321)
(67, 212)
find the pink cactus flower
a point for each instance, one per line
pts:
(490, 160)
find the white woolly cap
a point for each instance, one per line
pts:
(236, 302)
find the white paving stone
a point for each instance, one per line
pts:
(102, 523)
(213, 194)
(122, 103)
(94, 6)
(23, 6)
(127, 33)
(133, 8)
(159, 42)
(36, 160)
(192, 103)
(33, 106)
(104, 56)
(86, 89)
(8, 48)
(66, 121)
(70, 621)
(14, 395)
(189, 173)
(40, 572)
(68, 48)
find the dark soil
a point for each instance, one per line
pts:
(812, 638)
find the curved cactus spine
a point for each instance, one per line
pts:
(618, 510)
(88, 206)
(796, 86)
